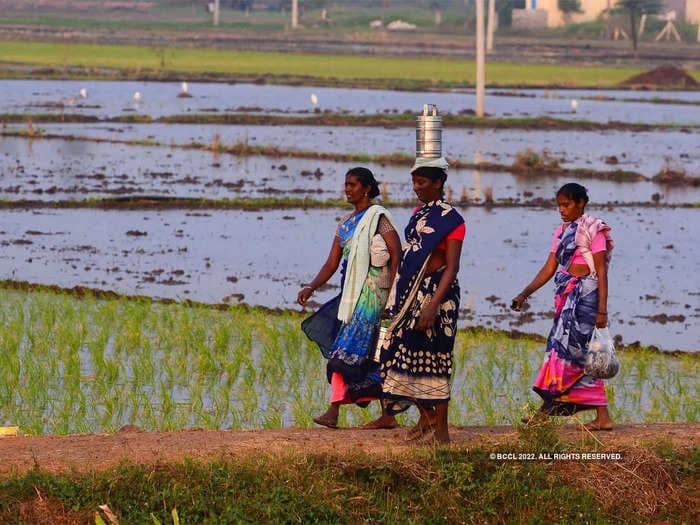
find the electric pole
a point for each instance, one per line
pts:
(491, 26)
(216, 13)
(480, 59)
(295, 14)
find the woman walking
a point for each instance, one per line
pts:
(369, 248)
(416, 355)
(578, 261)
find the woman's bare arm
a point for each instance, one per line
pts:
(543, 276)
(325, 273)
(601, 318)
(391, 238)
(453, 252)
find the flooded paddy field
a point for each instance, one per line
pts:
(645, 152)
(198, 256)
(115, 98)
(81, 365)
(55, 169)
(85, 365)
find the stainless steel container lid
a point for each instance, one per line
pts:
(429, 133)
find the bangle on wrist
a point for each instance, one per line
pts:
(309, 287)
(525, 297)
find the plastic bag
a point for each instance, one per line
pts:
(601, 359)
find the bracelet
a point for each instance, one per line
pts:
(604, 313)
(309, 287)
(525, 297)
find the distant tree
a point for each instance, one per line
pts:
(569, 7)
(504, 9)
(635, 10)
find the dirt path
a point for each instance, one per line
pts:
(101, 451)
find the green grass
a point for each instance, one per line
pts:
(340, 67)
(85, 364)
(418, 487)
(198, 24)
(411, 487)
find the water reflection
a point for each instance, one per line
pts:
(199, 255)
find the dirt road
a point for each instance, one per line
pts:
(101, 451)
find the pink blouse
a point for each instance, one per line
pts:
(598, 245)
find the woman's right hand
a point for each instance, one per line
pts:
(517, 302)
(304, 294)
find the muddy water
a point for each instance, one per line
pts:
(59, 170)
(653, 297)
(642, 152)
(108, 99)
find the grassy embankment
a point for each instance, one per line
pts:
(147, 62)
(652, 484)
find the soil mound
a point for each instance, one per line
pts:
(662, 77)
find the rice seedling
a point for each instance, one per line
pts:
(79, 365)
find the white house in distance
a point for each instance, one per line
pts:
(688, 10)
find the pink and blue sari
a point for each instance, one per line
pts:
(416, 365)
(561, 381)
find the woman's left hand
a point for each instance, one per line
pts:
(601, 320)
(427, 318)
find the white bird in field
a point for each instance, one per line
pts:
(314, 100)
(184, 87)
(137, 96)
(83, 93)
(574, 105)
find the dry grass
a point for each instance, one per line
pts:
(640, 480)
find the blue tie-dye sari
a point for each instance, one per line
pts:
(353, 347)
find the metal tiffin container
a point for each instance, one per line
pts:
(429, 133)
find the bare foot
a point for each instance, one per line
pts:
(326, 421)
(329, 418)
(382, 422)
(596, 425)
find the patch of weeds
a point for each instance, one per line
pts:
(538, 432)
(683, 462)
(530, 159)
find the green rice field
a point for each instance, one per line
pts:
(446, 71)
(73, 365)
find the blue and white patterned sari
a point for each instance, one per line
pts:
(416, 365)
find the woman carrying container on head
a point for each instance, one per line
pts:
(416, 355)
(578, 261)
(369, 248)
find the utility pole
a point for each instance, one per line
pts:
(295, 14)
(491, 26)
(480, 59)
(216, 13)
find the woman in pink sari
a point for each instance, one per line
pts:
(578, 262)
